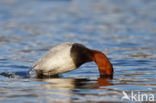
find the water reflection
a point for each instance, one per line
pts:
(72, 89)
(103, 82)
(69, 83)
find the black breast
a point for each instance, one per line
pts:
(80, 54)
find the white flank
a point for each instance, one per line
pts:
(56, 61)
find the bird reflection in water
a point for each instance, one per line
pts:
(68, 88)
(70, 83)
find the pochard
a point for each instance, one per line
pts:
(69, 56)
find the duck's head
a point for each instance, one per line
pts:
(80, 54)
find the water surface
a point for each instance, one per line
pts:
(124, 30)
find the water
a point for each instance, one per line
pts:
(124, 30)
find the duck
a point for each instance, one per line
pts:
(69, 56)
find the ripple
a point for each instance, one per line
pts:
(125, 33)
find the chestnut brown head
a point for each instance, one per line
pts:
(80, 54)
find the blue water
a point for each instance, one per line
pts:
(125, 30)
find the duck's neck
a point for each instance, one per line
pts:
(104, 65)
